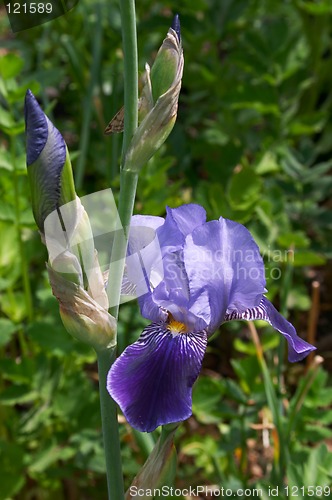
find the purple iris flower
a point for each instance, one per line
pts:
(212, 273)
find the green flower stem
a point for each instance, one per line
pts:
(128, 179)
(128, 184)
(126, 205)
(129, 38)
(110, 428)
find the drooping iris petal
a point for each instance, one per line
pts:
(222, 257)
(152, 379)
(297, 347)
(49, 169)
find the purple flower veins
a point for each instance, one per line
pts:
(212, 273)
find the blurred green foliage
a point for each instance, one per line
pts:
(252, 143)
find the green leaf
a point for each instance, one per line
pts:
(5, 160)
(268, 342)
(48, 456)
(10, 65)
(244, 189)
(7, 329)
(12, 469)
(318, 8)
(215, 136)
(19, 372)
(6, 119)
(235, 392)
(296, 239)
(14, 305)
(207, 394)
(308, 258)
(298, 298)
(267, 164)
(315, 472)
(9, 248)
(7, 212)
(247, 370)
(309, 124)
(52, 338)
(17, 395)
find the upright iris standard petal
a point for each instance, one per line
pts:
(152, 379)
(297, 347)
(142, 231)
(49, 169)
(178, 224)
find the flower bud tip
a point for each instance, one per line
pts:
(176, 26)
(36, 127)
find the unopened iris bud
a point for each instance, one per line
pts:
(75, 275)
(83, 317)
(161, 92)
(164, 69)
(176, 26)
(49, 168)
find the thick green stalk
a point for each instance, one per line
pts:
(110, 428)
(129, 38)
(126, 204)
(128, 179)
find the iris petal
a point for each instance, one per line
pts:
(222, 257)
(160, 244)
(297, 347)
(152, 379)
(142, 231)
(187, 217)
(179, 223)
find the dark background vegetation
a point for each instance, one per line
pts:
(253, 142)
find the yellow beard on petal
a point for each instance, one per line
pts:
(176, 326)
